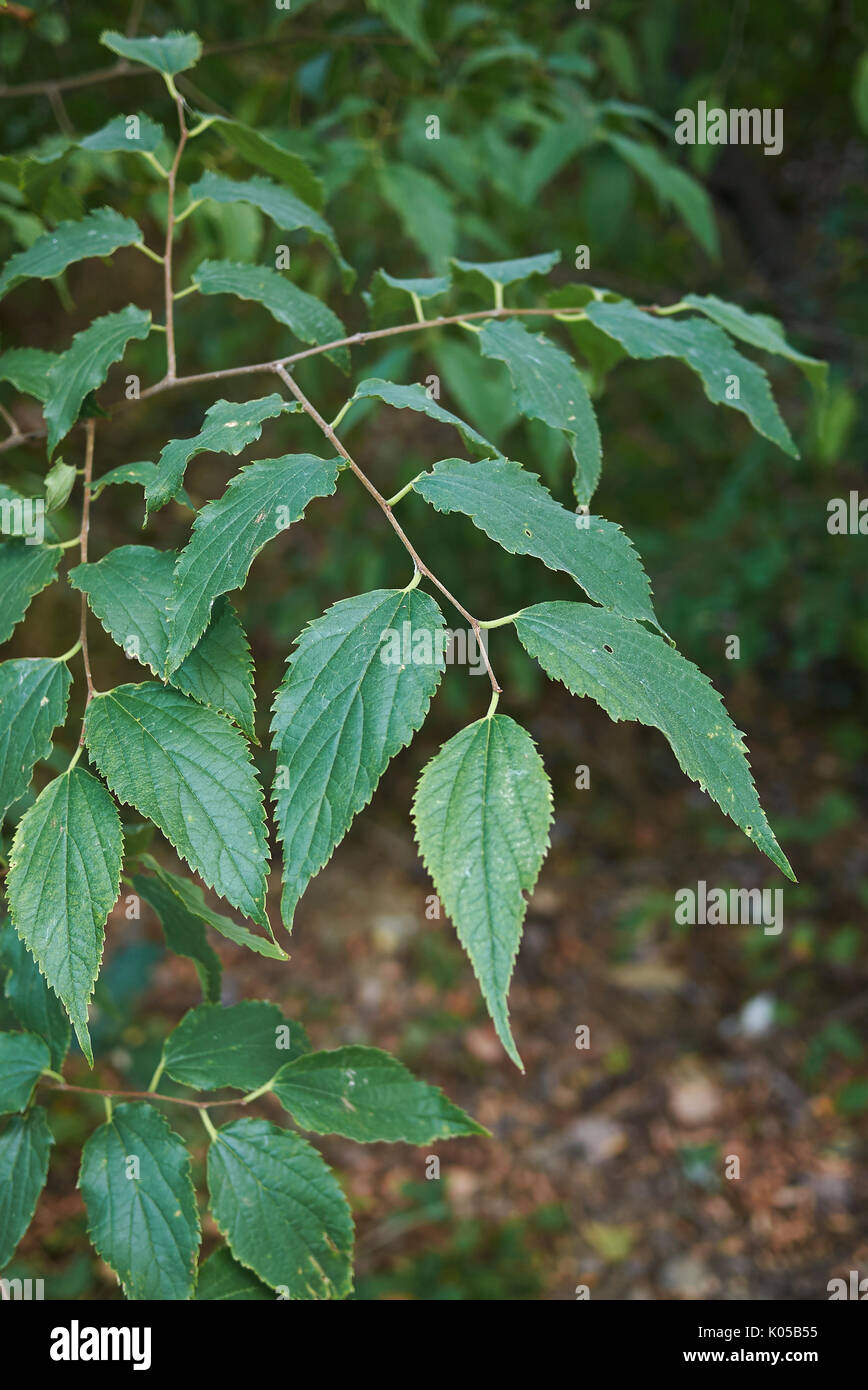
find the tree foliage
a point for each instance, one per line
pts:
(176, 744)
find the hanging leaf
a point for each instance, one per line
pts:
(512, 507)
(189, 771)
(192, 900)
(415, 397)
(244, 1045)
(98, 233)
(184, 933)
(548, 387)
(425, 210)
(259, 502)
(33, 697)
(367, 1095)
(122, 134)
(482, 812)
(280, 204)
(673, 187)
(348, 703)
(307, 317)
(141, 1207)
(635, 675)
(83, 367)
(287, 168)
(228, 427)
(406, 17)
(36, 1007)
(223, 1279)
(281, 1209)
(27, 369)
(25, 570)
(761, 332)
(25, 1147)
(64, 875)
(728, 377)
(23, 1059)
(128, 591)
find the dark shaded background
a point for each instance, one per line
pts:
(606, 1166)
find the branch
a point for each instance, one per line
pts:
(170, 236)
(354, 340)
(381, 502)
(140, 1095)
(82, 545)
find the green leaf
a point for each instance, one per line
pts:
(169, 53)
(600, 352)
(222, 1279)
(184, 933)
(25, 570)
(259, 502)
(514, 508)
(287, 168)
(244, 1045)
(84, 365)
(506, 272)
(480, 386)
(280, 204)
(482, 811)
(415, 397)
(27, 369)
(389, 297)
(425, 210)
(548, 387)
(189, 771)
(347, 704)
(761, 332)
(64, 875)
(141, 1207)
(673, 188)
(367, 1095)
(635, 675)
(307, 317)
(37, 1009)
(281, 1209)
(59, 482)
(406, 17)
(98, 233)
(25, 1145)
(33, 697)
(228, 427)
(23, 1059)
(128, 591)
(118, 136)
(142, 474)
(192, 899)
(707, 351)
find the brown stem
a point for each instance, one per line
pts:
(381, 502)
(81, 79)
(141, 1095)
(354, 340)
(82, 545)
(170, 236)
(15, 433)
